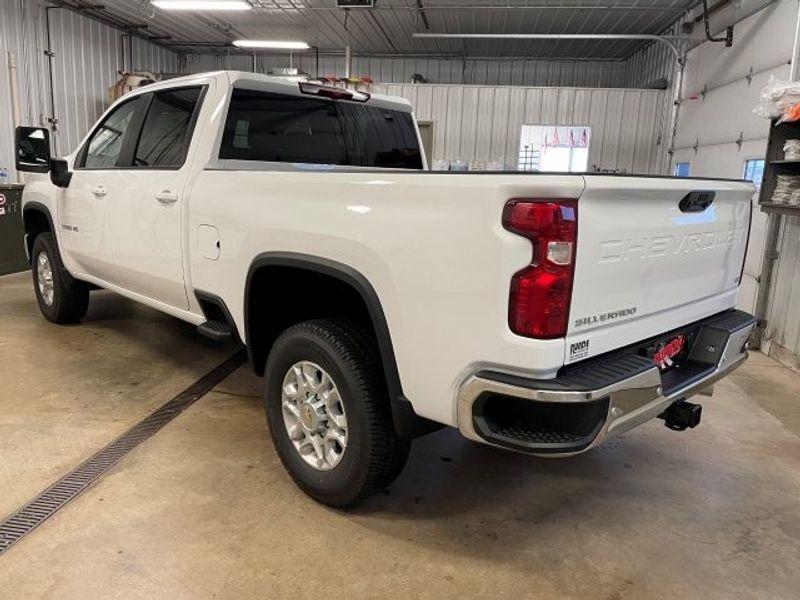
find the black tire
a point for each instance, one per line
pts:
(374, 455)
(70, 296)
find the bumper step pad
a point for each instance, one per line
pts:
(531, 433)
(621, 390)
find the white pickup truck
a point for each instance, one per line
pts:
(535, 312)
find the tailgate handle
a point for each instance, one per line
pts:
(697, 202)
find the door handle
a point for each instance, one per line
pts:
(167, 197)
(99, 191)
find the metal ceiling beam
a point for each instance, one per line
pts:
(383, 7)
(230, 49)
(670, 41)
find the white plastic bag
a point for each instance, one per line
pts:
(777, 97)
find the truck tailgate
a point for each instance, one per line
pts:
(650, 258)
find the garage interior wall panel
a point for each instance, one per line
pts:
(84, 69)
(655, 61)
(19, 34)
(718, 132)
(652, 62)
(483, 123)
(784, 314)
(88, 55)
(156, 59)
(525, 72)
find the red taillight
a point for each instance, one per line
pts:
(541, 293)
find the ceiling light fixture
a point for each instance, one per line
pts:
(271, 44)
(202, 4)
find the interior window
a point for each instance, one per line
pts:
(271, 127)
(682, 169)
(165, 135)
(754, 171)
(554, 148)
(105, 144)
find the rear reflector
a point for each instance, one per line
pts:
(541, 293)
(335, 93)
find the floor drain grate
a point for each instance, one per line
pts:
(73, 483)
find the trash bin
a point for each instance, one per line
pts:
(12, 230)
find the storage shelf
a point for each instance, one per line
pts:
(777, 165)
(783, 209)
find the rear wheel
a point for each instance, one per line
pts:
(61, 297)
(329, 414)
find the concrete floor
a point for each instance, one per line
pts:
(204, 509)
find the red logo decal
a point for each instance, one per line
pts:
(666, 352)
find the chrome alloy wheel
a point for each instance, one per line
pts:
(314, 415)
(44, 276)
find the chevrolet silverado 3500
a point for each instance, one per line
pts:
(536, 312)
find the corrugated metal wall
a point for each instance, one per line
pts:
(144, 56)
(547, 73)
(654, 61)
(783, 319)
(483, 122)
(435, 70)
(87, 57)
(19, 33)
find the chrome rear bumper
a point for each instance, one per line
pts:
(629, 391)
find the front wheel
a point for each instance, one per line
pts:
(328, 412)
(61, 298)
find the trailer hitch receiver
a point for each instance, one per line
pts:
(682, 415)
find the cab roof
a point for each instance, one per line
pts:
(244, 79)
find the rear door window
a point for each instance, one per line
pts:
(263, 126)
(167, 129)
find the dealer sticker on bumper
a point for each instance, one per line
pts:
(578, 350)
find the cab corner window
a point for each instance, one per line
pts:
(166, 133)
(105, 145)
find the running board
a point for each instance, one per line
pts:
(219, 331)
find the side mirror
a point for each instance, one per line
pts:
(32, 149)
(60, 174)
